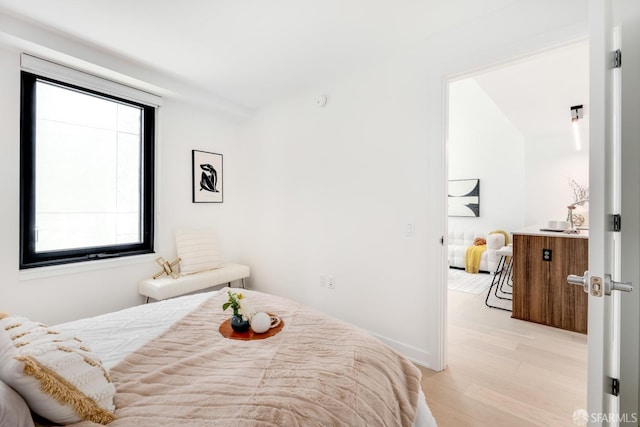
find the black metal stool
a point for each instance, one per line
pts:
(502, 277)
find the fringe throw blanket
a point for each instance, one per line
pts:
(317, 371)
(472, 258)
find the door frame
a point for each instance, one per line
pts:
(446, 81)
(630, 209)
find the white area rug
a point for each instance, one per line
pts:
(460, 280)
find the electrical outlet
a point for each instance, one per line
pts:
(331, 282)
(546, 254)
(323, 281)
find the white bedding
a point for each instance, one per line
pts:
(114, 335)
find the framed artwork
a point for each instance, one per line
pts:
(207, 177)
(464, 197)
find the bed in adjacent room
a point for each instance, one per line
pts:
(170, 365)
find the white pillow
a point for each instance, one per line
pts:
(59, 378)
(197, 250)
(13, 409)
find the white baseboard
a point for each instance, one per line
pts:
(416, 355)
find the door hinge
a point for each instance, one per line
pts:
(613, 386)
(617, 222)
(442, 240)
(617, 58)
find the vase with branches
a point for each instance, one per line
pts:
(580, 197)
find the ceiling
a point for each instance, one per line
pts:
(536, 93)
(250, 52)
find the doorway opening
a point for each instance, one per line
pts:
(509, 128)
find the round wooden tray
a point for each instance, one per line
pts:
(227, 332)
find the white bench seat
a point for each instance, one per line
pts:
(168, 287)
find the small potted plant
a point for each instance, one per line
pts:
(242, 311)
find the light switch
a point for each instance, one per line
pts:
(410, 229)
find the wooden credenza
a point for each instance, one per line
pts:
(540, 290)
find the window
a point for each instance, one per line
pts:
(86, 174)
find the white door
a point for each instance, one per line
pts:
(611, 134)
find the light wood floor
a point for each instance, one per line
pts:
(506, 372)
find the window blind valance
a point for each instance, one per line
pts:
(46, 68)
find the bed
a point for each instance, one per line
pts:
(169, 365)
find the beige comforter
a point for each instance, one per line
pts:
(316, 371)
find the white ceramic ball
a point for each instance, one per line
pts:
(260, 322)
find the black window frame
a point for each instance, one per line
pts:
(29, 258)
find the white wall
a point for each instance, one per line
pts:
(334, 187)
(484, 144)
(551, 160)
(71, 292)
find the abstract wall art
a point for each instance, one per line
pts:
(464, 197)
(207, 177)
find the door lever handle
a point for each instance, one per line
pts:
(612, 285)
(595, 285)
(583, 281)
